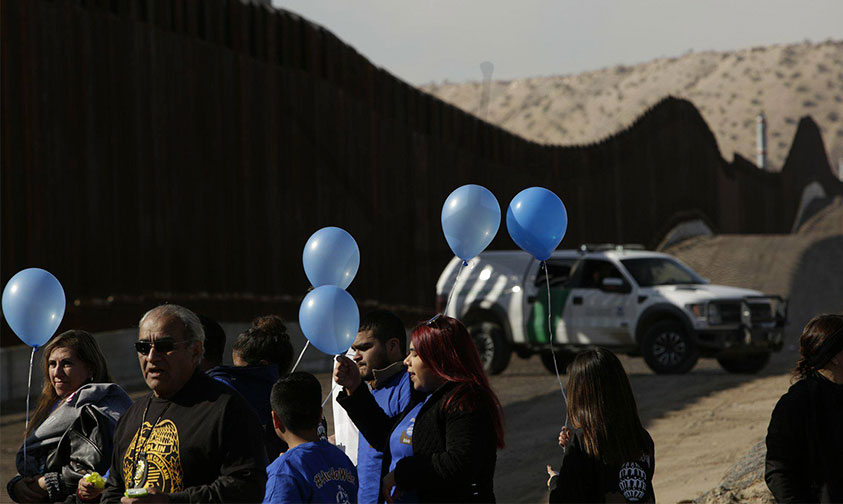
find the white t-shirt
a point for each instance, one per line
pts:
(345, 432)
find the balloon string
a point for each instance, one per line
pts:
(28, 390)
(550, 334)
(334, 386)
(451, 294)
(335, 358)
(300, 356)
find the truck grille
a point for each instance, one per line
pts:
(730, 313)
(760, 311)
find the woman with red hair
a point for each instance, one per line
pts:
(443, 446)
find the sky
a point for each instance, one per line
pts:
(423, 41)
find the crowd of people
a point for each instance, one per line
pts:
(429, 424)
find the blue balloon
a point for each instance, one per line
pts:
(471, 217)
(331, 257)
(33, 304)
(329, 318)
(537, 220)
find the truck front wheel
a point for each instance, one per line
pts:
(745, 364)
(668, 348)
(494, 350)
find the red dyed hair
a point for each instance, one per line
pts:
(445, 345)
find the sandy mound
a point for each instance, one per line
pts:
(806, 268)
(729, 88)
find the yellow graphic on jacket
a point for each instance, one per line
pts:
(155, 457)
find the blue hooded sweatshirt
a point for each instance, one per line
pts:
(254, 383)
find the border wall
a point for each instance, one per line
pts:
(185, 150)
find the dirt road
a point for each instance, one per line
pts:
(701, 423)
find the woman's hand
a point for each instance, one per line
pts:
(550, 475)
(347, 374)
(28, 490)
(564, 437)
(388, 486)
(88, 491)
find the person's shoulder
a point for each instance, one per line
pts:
(100, 394)
(463, 399)
(132, 416)
(647, 437)
(292, 461)
(210, 396)
(250, 374)
(287, 465)
(211, 388)
(221, 371)
(332, 451)
(799, 393)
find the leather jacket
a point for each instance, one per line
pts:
(85, 447)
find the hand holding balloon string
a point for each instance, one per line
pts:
(333, 384)
(347, 374)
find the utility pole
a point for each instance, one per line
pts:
(487, 68)
(761, 141)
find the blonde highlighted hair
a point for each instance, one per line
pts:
(86, 349)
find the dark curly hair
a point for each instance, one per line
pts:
(820, 337)
(267, 340)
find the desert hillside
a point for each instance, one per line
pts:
(729, 88)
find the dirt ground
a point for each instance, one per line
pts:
(702, 423)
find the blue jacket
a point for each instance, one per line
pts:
(254, 383)
(392, 393)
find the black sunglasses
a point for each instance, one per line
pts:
(143, 347)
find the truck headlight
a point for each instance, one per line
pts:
(714, 316)
(697, 310)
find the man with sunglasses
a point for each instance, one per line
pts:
(192, 439)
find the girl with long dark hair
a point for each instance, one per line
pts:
(805, 437)
(443, 447)
(78, 396)
(609, 456)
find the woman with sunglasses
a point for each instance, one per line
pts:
(443, 446)
(71, 430)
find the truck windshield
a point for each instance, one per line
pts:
(652, 271)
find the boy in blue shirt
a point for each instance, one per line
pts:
(311, 470)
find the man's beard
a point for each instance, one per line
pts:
(376, 362)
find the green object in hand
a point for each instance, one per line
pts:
(135, 492)
(96, 479)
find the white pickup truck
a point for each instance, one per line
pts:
(630, 300)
